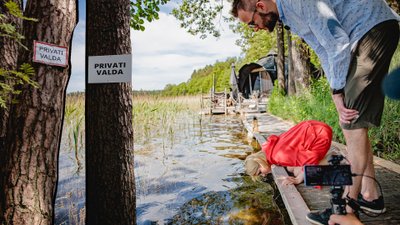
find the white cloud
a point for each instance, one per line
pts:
(163, 54)
(77, 80)
(166, 54)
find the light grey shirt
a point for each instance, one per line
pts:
(333, 27)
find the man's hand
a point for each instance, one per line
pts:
(346, 115)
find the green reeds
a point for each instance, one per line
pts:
(156, 116)
(74, 125)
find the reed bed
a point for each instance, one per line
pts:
(74, 125)
(153, 116)
(157, 117)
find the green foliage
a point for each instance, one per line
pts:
(8, 30)
(396, 59)
(254, 44)
(201, 80)
(314, 103)
(13, 78)
(198, 16)
(386, 138)
(21, 77)
(15, 10)
(144, 9)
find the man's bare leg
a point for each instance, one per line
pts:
(360, 157)
(368, 185)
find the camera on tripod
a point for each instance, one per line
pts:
(334, 175)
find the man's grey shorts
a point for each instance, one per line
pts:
(369, 65)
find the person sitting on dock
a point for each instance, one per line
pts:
(307, 143)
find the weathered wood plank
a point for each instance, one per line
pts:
(299, 199)
(294, 202)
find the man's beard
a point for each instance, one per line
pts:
(269, 20)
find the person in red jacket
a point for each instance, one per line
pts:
(307, 143)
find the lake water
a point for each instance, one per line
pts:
(193, 176)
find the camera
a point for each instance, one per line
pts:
(334, 175)
(327, 175)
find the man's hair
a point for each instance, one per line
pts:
(246, 5)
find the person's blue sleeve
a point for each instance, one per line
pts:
(332, 45)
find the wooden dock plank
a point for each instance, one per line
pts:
(295, 205)
(300, 199)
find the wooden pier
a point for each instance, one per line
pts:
(216, 103)
(223, 103)
(299, 199)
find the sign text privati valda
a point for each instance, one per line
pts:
(110, 69)
(50, 54)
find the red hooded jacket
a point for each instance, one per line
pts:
(304, 144)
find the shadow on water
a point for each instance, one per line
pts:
(196, 177)
(248, 204)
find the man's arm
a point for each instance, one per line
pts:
(332, 45)
(330, 40)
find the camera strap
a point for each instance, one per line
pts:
(352, 203)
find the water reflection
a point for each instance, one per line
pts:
(194, 175)
(248, 204)
(199, 178)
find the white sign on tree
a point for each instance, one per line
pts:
(50, 54)
(110, 69)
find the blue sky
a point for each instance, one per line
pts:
(163, 54)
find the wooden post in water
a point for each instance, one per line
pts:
(257, 99)
(240, 100)
(225, 107)
(201, 101)
(211, 100)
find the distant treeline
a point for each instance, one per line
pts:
(201, 81)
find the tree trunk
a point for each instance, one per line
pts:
(34, 130)
(8, 61)
(302, 65)
(291, 72)
(110, 183)
(281, 56)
